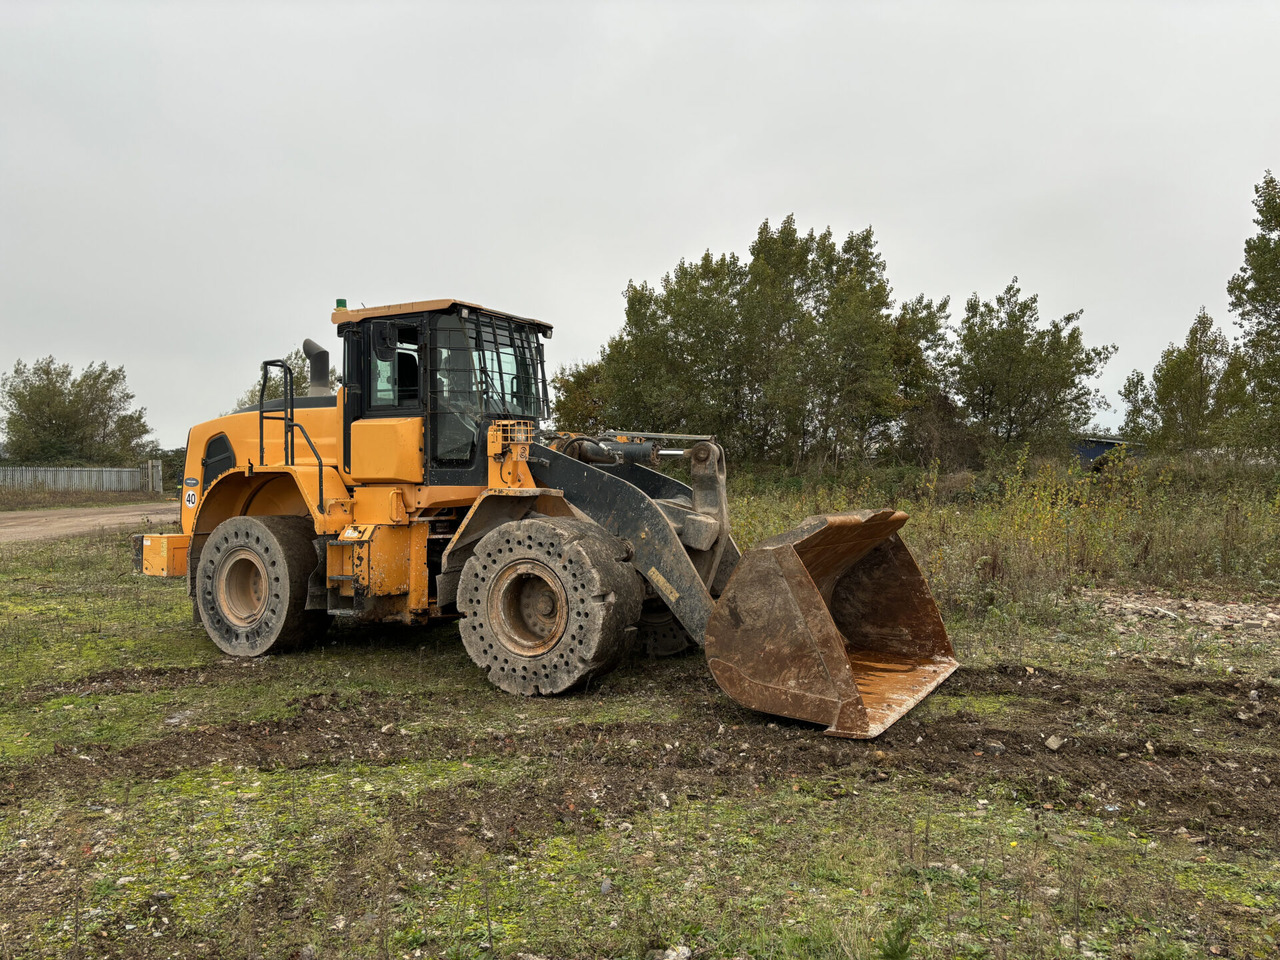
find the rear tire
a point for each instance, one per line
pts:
(548, 604)
(251, 585)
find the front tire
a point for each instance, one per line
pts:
(659, 633)
(251, 586)
(548, 604)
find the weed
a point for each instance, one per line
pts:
(896, 942)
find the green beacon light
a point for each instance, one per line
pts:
(342, 303)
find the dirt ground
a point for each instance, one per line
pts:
(1179, 783)
(1123, 755)
(1104, 784)
(17, 525)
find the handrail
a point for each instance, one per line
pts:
(319, 463)
(286, 413)
(289, 423)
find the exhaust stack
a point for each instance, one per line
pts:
(319, 358)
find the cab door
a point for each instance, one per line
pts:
(383, 420)
(457, 441)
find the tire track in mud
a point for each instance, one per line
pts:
(1214, 790)
(132, 680)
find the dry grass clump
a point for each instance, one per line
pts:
(1049, 528)
(1034, 531)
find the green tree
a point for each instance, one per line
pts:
(676, 366)
(930, 426)
(1254, 297)
(51, 415)
(920, 348)
(782, 302)
(851, 384)
(301, 368)
(578, 403)
(795, 356)
(1021, 380)
(1198, 394)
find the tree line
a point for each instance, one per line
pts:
(799, 355)
(55, 416)
(1210, 392)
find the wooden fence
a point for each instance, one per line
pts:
(145, 477)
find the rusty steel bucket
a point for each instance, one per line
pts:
(833, 623)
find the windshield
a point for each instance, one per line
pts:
(489, 366)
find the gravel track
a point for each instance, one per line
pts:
(17, 525)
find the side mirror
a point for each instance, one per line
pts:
(385, 340)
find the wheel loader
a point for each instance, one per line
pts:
(425, 488)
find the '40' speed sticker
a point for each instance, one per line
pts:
(189, 498)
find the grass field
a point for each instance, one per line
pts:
(374, 797)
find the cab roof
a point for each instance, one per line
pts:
(355, 315)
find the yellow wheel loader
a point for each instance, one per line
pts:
(426, 489)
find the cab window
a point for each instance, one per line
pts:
(393, 368)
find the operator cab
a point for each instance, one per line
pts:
(456, 365)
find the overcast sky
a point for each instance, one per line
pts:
(185, 188)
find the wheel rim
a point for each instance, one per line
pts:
(529, 607)
(242, 587)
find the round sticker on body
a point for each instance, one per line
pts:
(190, 498)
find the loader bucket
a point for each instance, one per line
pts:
(831, 622)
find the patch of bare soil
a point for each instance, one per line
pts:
(129, 680)
(1213, 785)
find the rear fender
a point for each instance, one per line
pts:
(237, 493)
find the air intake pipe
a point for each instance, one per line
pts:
(319, 359)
